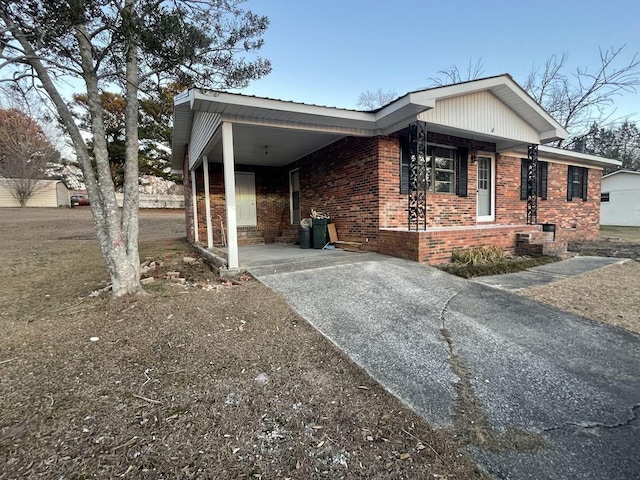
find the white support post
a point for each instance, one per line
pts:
(194, 204)
(207, 201)
(230, 194)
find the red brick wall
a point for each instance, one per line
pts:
(272, 200)
(443, 209)
(577, 219)
(435, 246)
(188, 210)
(357, 182)
(342, 181)
(509, 208)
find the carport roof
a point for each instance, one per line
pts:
(291, 130)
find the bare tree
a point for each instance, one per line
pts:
(25, 153)
(454, 75)
(587, 97)
(374, 100)
(136, 45)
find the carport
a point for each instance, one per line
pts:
(231, 129)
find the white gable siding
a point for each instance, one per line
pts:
(481, 112)
(623, 207)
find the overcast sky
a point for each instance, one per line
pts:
(329, 51)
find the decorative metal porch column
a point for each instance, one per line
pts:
(418, 176)
(532, 185)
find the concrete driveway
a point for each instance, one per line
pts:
(553, 395)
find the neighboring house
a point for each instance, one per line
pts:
(620, 199)
(433, 171)
(48, 193)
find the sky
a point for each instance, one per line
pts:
(327, 52)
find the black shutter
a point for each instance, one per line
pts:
(585, 182)
(462, 175)
(543, 175)
(523, 178)
(404, 165)
(569, 183)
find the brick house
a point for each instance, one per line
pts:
(433, 171)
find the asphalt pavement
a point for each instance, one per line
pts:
(569, 381)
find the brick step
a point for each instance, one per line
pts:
(250, 236)
(538, 249)
(251, 241)
(534, 237)
(286, 240)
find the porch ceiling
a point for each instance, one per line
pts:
(270, 146)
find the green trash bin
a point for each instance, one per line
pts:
(320, 233)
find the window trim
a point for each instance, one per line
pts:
(456, 170)
(583, 182)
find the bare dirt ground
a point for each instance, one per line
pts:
(203, 380)
(610, 295)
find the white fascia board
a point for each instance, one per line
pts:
(564, 156)
(315, 117)
(269, 104)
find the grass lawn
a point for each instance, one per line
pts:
(629, 234)
(206, 379)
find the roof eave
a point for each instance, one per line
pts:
(568, 156)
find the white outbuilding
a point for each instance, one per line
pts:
(48, 193)
(620, 199)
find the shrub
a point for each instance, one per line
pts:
(478, 256)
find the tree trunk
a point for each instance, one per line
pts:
(115, 230)
(119, 249)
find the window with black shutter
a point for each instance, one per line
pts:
(577, 181)
(542, 176)
(405, 160)
(447, 169)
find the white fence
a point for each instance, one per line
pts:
(148, 200)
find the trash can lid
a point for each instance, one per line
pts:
(306, 223)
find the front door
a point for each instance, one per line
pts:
(246, 199)
(485, 207)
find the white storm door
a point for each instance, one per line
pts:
(246, 199)
(485, 205)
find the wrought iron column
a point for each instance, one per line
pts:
(418, 176)
(532, 185)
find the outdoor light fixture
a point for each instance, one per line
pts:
(474, 151)
(266, 149)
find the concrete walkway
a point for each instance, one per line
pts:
(568, 381)
(549, 273)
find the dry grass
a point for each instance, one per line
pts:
(608, 295)
(185, 382)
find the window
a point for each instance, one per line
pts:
(542, 175)
(577, 180)
(446, 169)
(604, 197)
